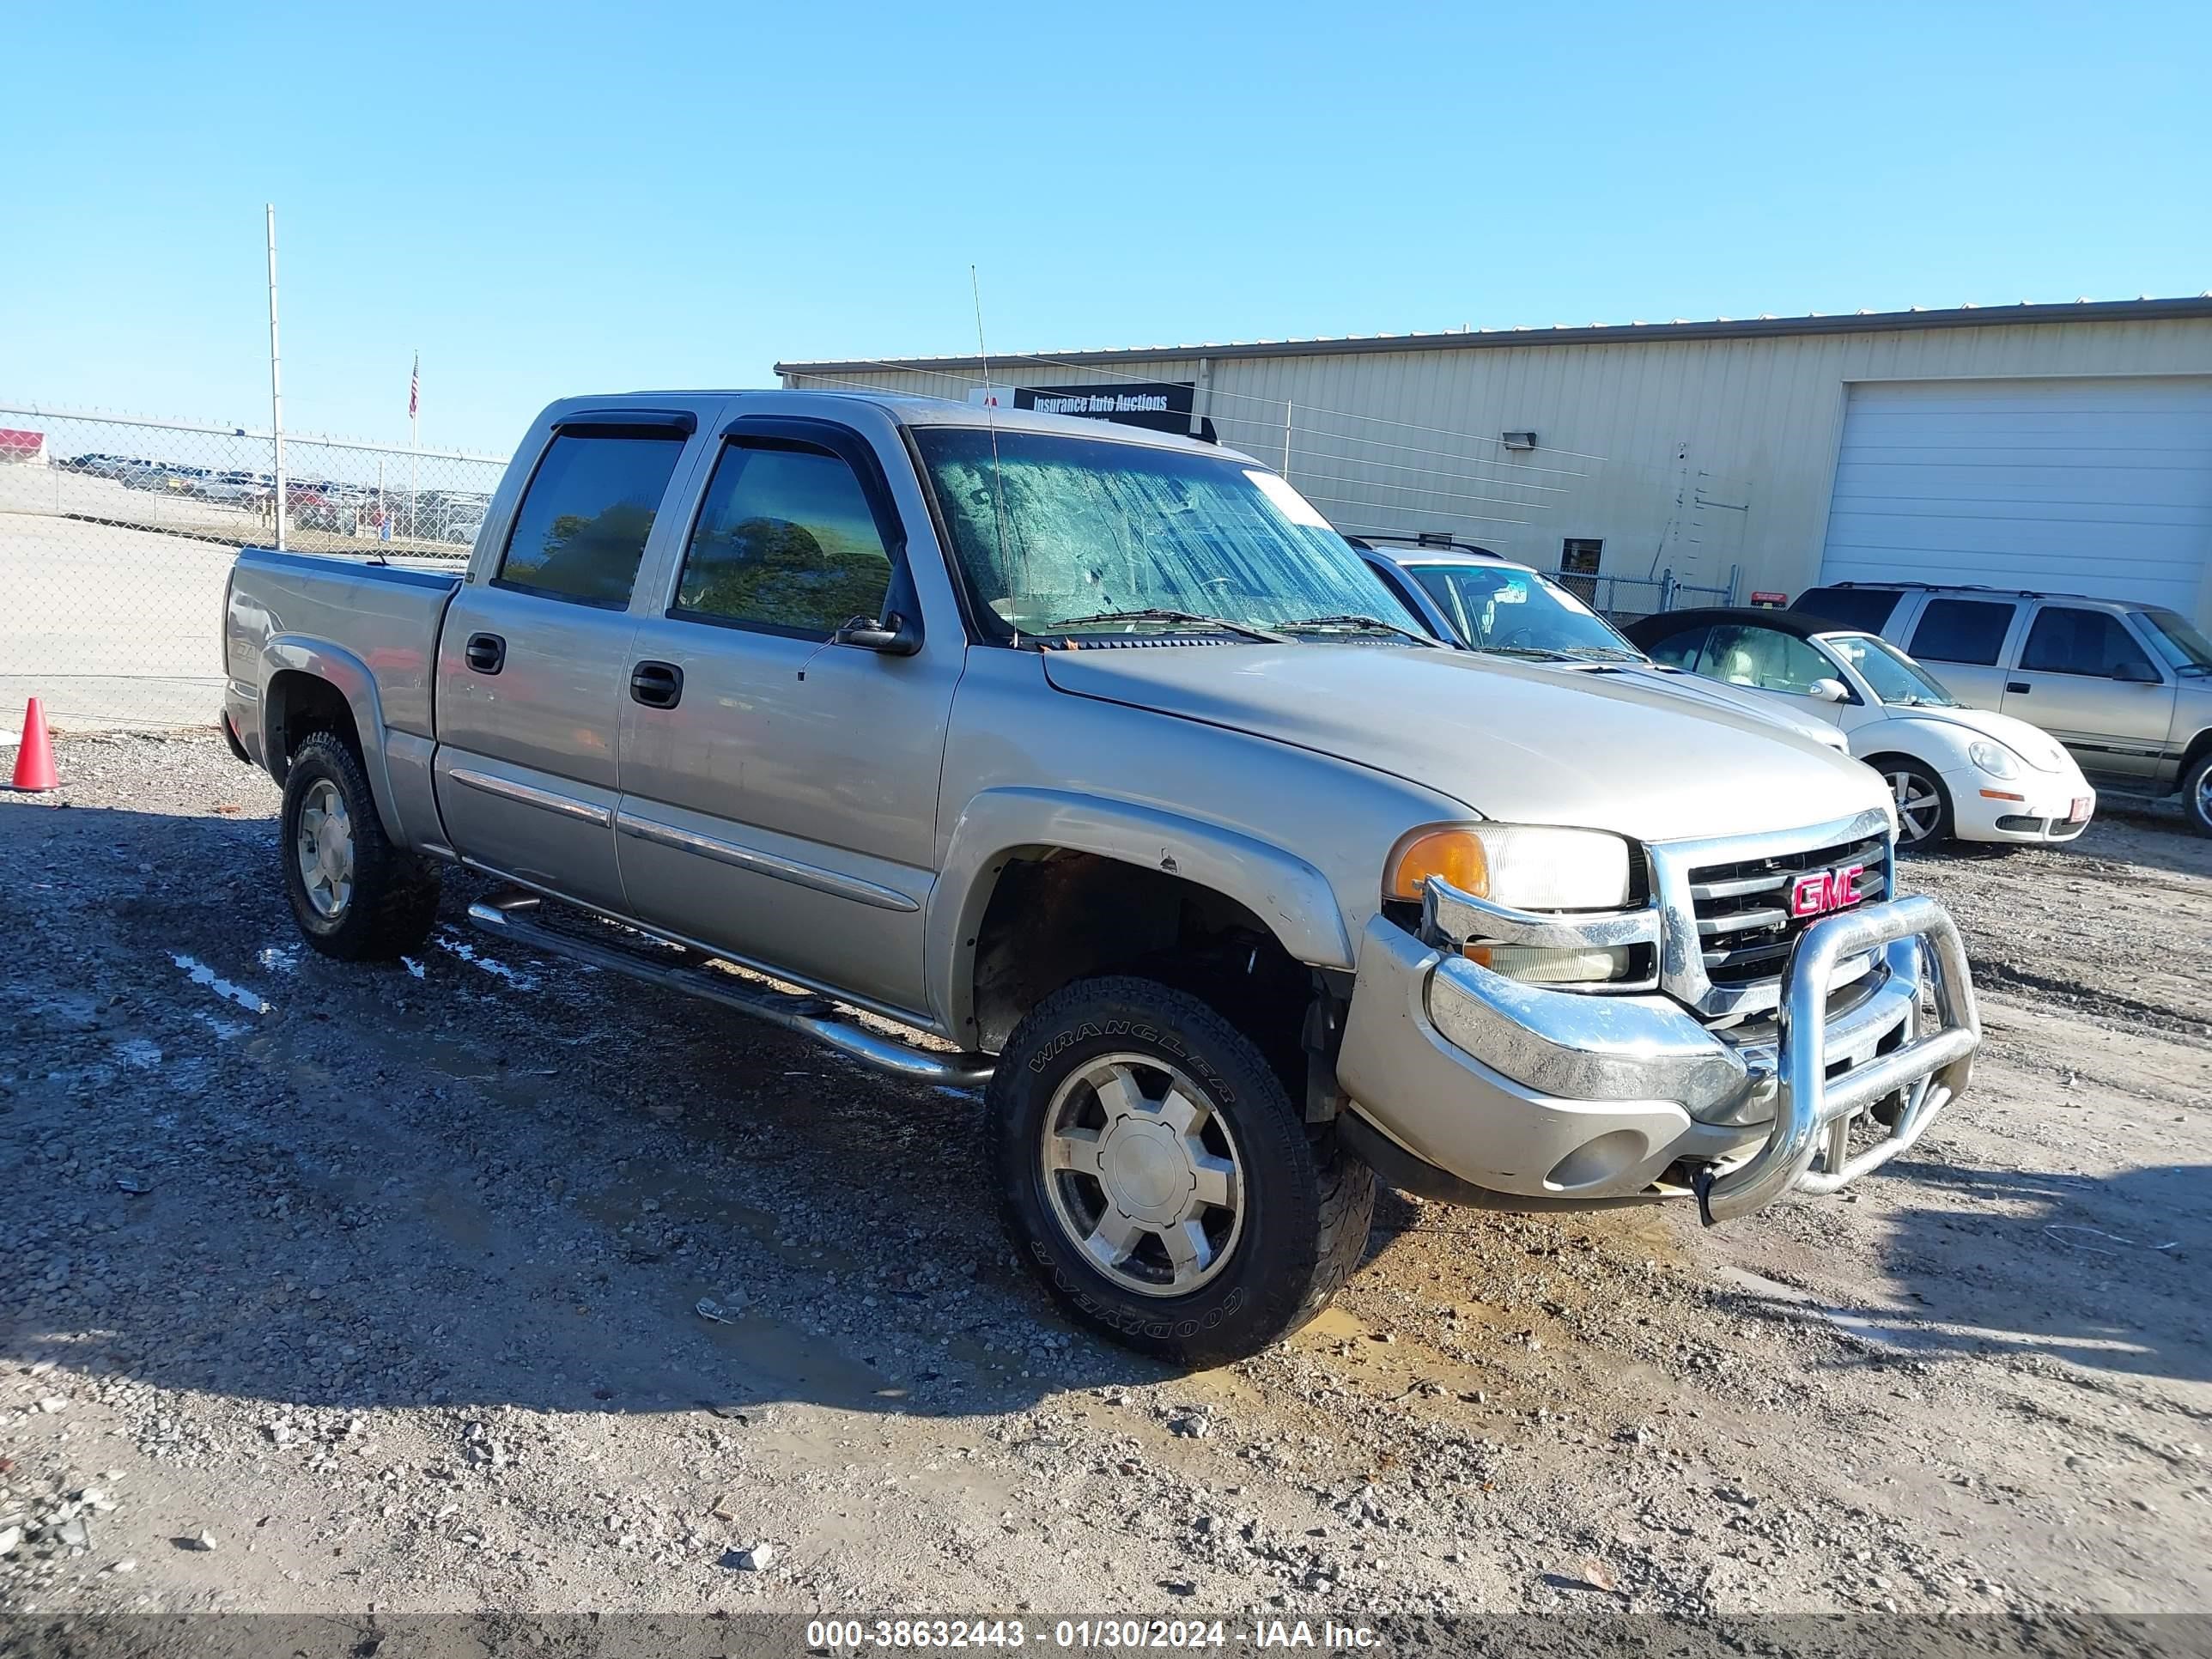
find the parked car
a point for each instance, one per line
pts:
(1074, 753)
(2127, 688)
(1953, 771)
(1482, 601)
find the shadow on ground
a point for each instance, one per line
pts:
(2104, 1272)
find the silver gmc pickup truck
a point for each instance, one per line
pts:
(1082, 762)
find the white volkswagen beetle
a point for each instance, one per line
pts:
(1971, 772)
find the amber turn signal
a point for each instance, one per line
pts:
(1455, 853)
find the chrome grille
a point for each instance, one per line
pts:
(1725, 903)
(1745, 929)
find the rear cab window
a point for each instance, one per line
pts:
(581, 527)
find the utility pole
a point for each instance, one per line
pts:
(276, 381)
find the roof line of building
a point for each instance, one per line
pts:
(1723, 328)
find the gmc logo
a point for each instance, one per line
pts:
(1819, 891)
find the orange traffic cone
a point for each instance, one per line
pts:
(34, 761)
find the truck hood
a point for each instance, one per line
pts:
(1760, 705)
(1514, 743)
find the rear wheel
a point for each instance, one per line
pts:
(355, 895)
(1157, 1178)
(1924, 806)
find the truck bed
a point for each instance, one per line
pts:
(386, 617)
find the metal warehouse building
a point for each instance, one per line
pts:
(2061, 448)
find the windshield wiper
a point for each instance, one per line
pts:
(1541, 654)
(1154, 614)
(1355, 619)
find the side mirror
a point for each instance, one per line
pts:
(2136, 673)
(1828, 690)
(896, 635)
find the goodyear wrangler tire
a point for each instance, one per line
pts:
(1157, 1178)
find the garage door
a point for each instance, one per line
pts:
(2098, 487)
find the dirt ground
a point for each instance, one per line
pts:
(329, 1289)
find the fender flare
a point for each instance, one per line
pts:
(1292, 897)
(339, 668)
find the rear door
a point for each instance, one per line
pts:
(779, 789)
(533, 661)
(2084, 678)
(1963, 643)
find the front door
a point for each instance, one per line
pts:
(2087, 680)
(532, 665)
(779, 791)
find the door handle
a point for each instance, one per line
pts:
(487, 653)
(2021, 686)
(656, 684)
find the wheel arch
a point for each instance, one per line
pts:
(1055, 860)
(312, 685)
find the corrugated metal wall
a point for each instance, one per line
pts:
(1693, 455)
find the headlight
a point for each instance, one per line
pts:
(1528, 866)
(1993, 758)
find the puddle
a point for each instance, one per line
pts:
(279, 958)
(138, 1053)
(225, 1029)
(455, 945)
(412, 966)
(203, 974)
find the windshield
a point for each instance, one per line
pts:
(1049, 527)
(1892, 676)
(1502, 608)
(2186, 650)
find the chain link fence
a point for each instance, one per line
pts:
(116, 534)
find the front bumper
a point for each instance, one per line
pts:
(1566, 1097)
(2031, 810)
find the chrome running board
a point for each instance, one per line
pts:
(689, 972)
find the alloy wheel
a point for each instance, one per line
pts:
(323, 848)
(1143, 1174)
(1919, 808)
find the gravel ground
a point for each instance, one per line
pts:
(334, 1289)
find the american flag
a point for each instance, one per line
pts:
(415, 387)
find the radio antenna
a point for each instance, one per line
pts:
(991, 419)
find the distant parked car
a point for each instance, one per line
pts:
(1481, 601)
(2126, 687)
(1971, 772)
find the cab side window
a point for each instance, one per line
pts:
(1970, 631)
(1761, 656)
(1680, 650)
(785, 543)
(2065, 641)
(581, 527)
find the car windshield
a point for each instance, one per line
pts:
(1502, 608)
(1892, 676)
(1051, 528)
(2186, 650)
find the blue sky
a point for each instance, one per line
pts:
(558, 197)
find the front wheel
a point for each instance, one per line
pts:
(1157, 1178)
(2196, 794)
(1924, 806)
